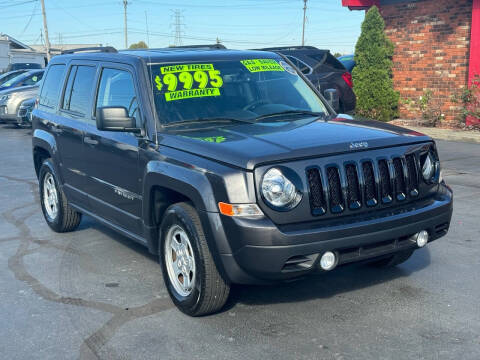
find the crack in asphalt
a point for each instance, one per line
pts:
(94, 343)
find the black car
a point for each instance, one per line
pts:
(24, 66)
(324, 71)
(348, 61)
(230, 166)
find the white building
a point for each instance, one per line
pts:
(13, 51)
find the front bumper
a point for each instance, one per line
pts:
(259, 251)
(8, 114)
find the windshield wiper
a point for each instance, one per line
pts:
(207, 120)
(290, 112)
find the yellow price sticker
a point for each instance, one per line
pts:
(185, 67)
(194, 93)
(260, 65)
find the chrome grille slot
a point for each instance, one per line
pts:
(318, 203)
(370, 191)
(412, 175)
(385, 182)
(400, 183)
(353, 187)
(335, 190)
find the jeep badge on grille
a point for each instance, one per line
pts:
(358, 145)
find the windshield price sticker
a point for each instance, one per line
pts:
(260, 65)
(196, 80)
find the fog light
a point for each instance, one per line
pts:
(422, 238)
(328, 261)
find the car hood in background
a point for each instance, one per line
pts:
(32, 88)
(249, 145)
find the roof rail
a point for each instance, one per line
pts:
(206, 46)
(106, 49)
(289, 48)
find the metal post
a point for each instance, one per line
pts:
(45, 29)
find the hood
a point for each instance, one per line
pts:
(249, 145)
(32, 88)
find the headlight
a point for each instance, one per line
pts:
(5, 97)
(428, 168)
(279, 191)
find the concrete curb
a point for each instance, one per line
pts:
(448, 134)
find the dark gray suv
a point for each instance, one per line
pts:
(230, 166)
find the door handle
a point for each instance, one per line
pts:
(89, 140)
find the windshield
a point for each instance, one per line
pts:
(239, 90)
(24, 78)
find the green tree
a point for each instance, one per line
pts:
(337, 54)
(372, 75)
(139, 45)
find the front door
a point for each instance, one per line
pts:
(112, 157)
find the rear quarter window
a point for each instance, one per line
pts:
(52, 85)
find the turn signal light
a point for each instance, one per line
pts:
(239, 209)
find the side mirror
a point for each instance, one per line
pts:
(111, 118)
(333, 98)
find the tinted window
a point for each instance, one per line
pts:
(117, 89)
(304, 68)
(32, 79)
(52, 85)
(79, 89)
(327, 62)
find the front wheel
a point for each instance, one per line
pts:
(189, 271)
(58, 214)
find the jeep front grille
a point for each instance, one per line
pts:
(366, 184)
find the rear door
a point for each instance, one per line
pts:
(71, 122)
(112, 157)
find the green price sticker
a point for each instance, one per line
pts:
(260, 65)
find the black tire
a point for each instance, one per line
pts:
(66, 219)
(210, 291)
(393, 260)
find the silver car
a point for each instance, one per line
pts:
(10, 101)
(25, 112)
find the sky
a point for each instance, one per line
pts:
(239, 24)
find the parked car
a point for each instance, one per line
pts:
(11, 100)
(231, 167)
(348, 61)
(10, 75)
(24, 114)
(24, 66)
(26, 79)
(324, 71)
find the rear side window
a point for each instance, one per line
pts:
(52, 85)
(327, 62)
(79, 89)
(304, 68)
(117, 89)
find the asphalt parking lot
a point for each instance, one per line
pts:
(95, 294)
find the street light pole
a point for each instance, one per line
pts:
(45, 29)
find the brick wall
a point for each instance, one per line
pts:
(431, 40)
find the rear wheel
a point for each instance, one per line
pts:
(58, 214)
(393, 260)
(189, 271)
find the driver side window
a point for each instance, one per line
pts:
(117, 89)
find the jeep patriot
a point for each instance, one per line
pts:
(230, 166)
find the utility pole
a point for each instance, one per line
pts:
(146, 25)
(45, 29)
(125, 4)
(304, 20)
